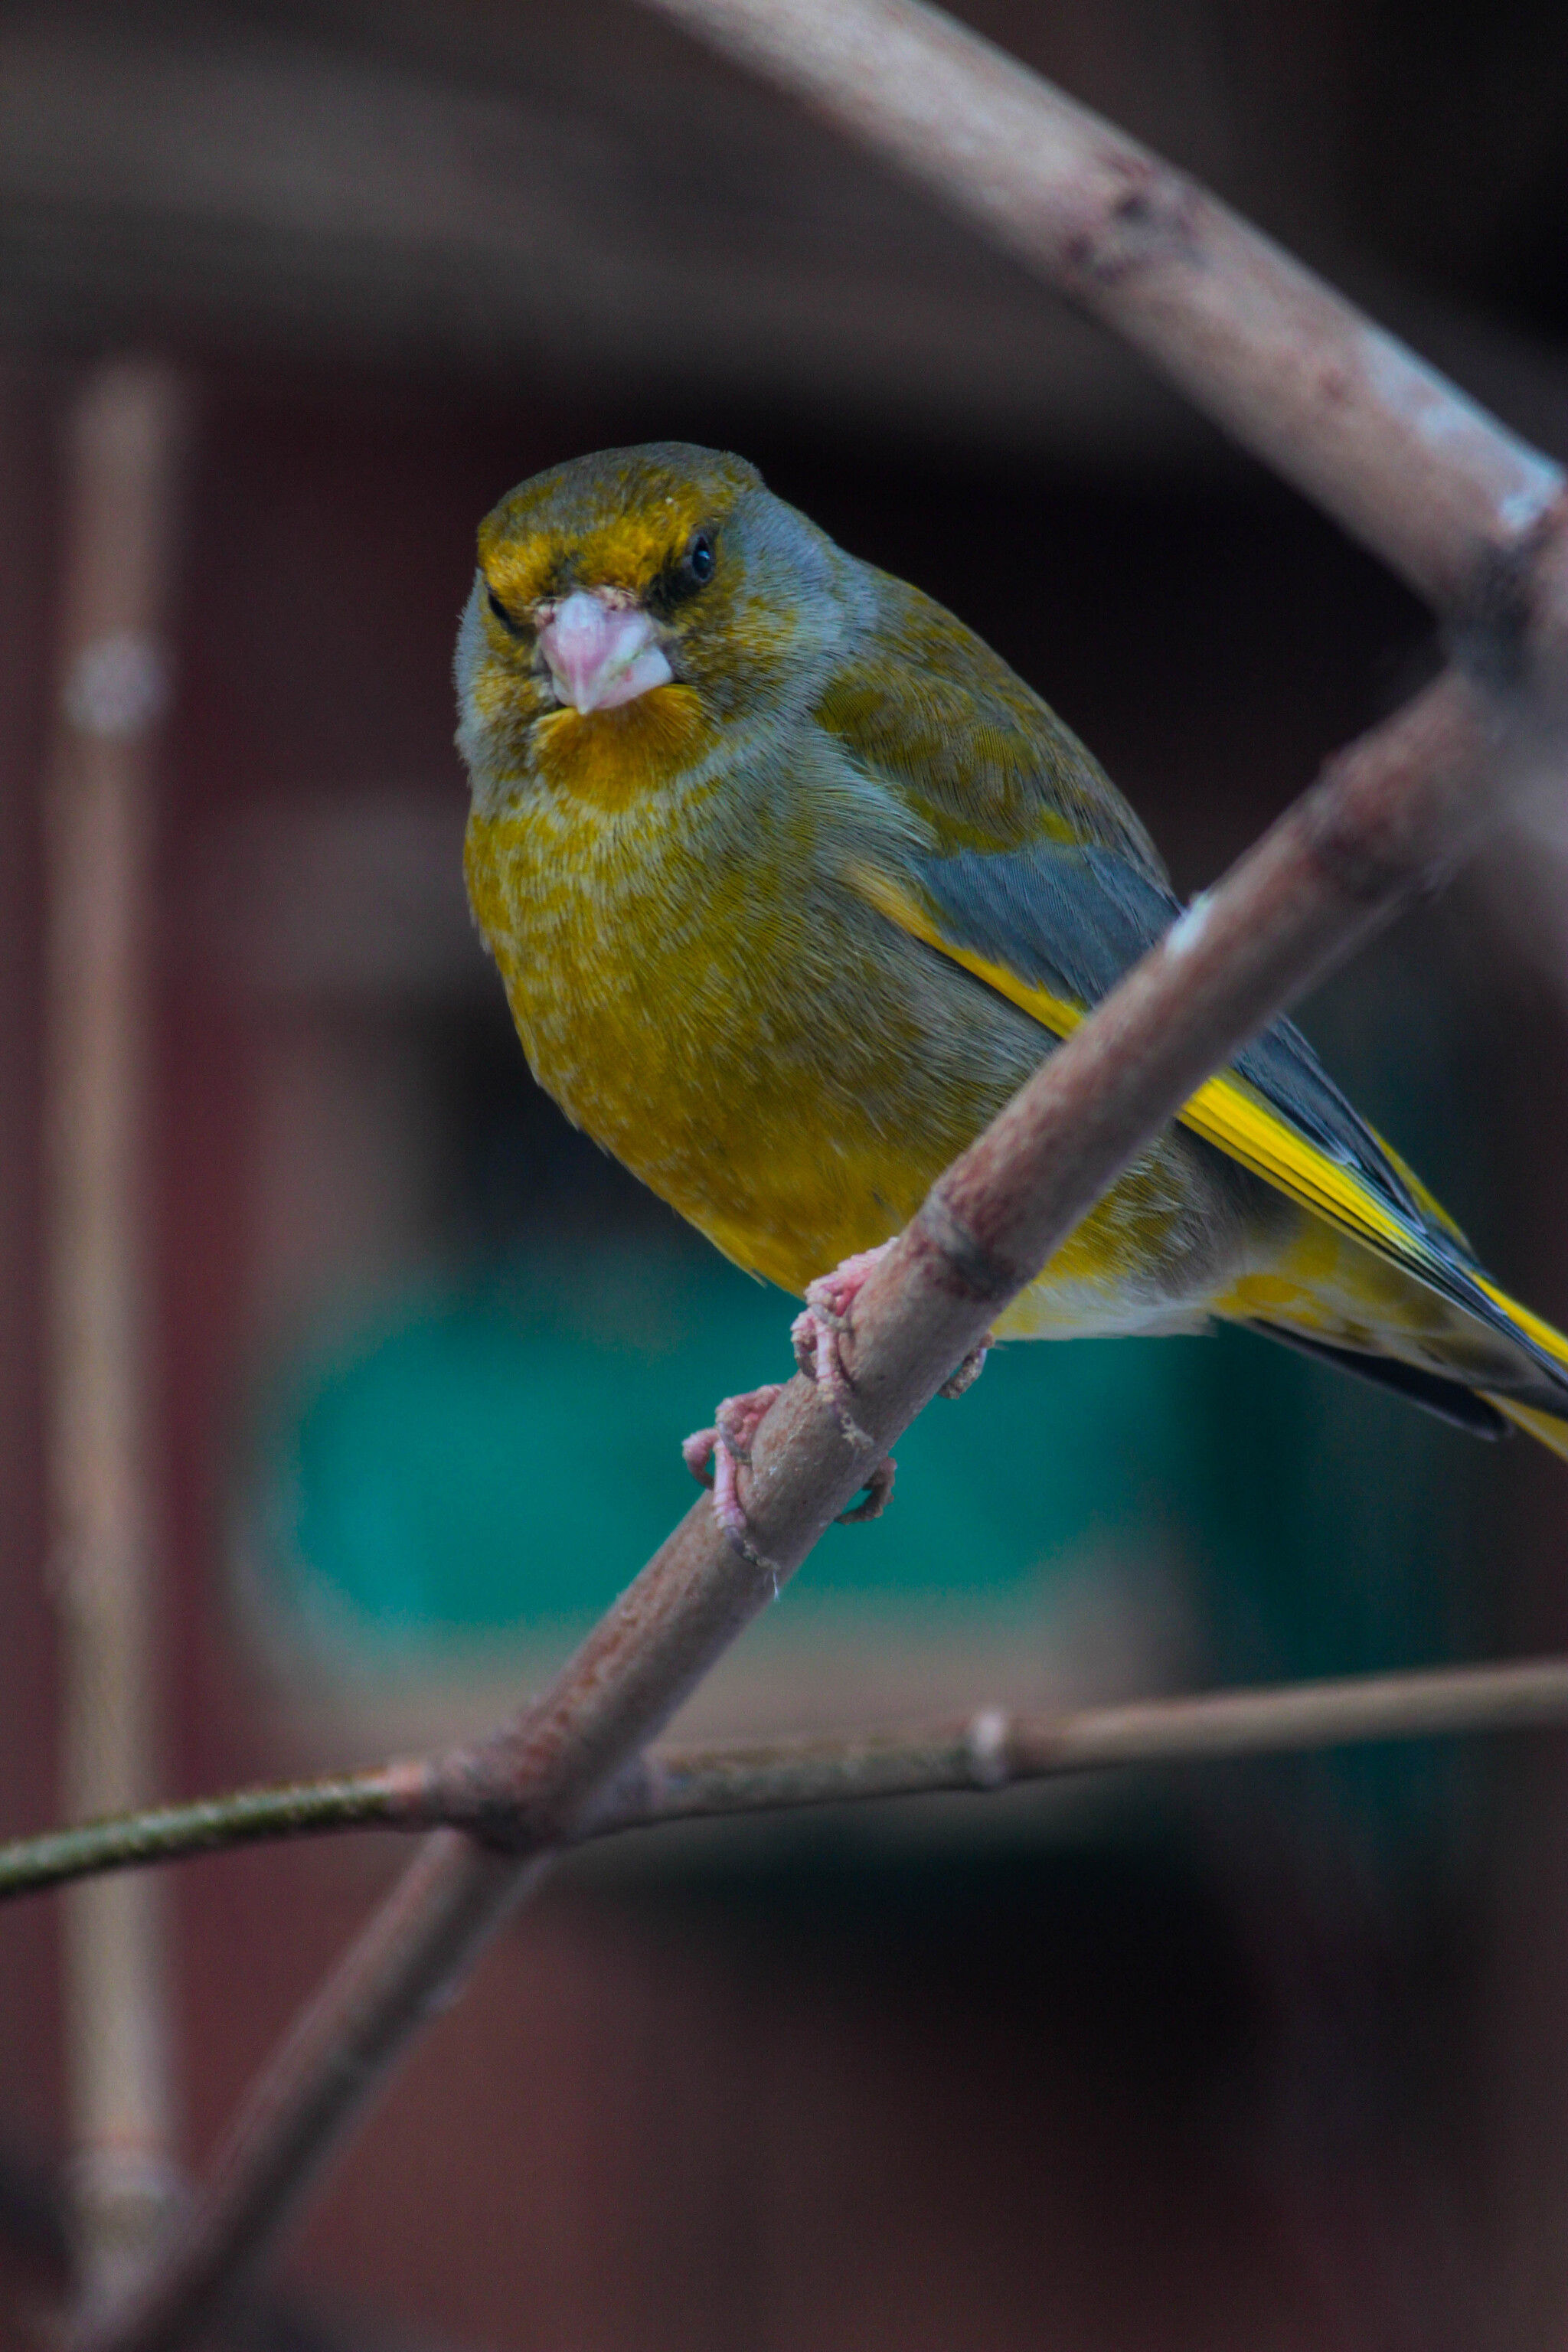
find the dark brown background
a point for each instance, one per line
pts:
(766, 2096)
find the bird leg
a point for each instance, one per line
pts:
(729, 1441)
(817, 1334)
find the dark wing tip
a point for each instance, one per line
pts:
(1449, 1400)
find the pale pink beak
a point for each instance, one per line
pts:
(601, 653)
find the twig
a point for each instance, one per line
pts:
(375, 1800)
(976, 1755)
(1459, 511)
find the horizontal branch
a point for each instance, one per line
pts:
(994, 1749)
(976, 1754)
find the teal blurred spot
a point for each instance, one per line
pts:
(502, 1457)
(505, 1457)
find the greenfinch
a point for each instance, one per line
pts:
(792, 881)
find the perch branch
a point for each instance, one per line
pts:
(976, 1755)
(1460, 510)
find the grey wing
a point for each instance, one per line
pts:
(1073, 920)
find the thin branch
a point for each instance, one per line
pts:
(35, 2216)
(975, 1755)
(375, 1800)
(1385, 819)
(992, 1748)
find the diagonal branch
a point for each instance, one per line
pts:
(1447, 495)
(977, 1754)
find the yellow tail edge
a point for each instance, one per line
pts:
(1546, 1336)
(1548, 1427)
(1545, 1426)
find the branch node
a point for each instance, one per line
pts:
(1491, 632)
(475, 1789)
(990, 1764)
(964, 1266)
(1153, 218)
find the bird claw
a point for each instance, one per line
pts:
(818, 1333)
(877, 1495)
(969, 1372)
(728, 1442)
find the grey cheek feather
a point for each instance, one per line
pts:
(467, 660)
(470, 642)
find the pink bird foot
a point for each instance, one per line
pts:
(818, 1331)
(877, 1495)
(728, 1442)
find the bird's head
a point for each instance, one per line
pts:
(627, 605)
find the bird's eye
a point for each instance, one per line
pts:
(683, 575)
(514, 628)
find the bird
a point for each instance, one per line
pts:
(791, 882)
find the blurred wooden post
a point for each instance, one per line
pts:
(123, 460)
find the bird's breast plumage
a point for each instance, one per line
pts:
(686, 999)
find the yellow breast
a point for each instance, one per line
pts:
(676, 998)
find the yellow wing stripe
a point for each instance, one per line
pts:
(1425, 1200)
(1551, 1342)
(1232, 1115)
(1060, 1014)
(1225, 1111)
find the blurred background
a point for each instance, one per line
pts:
(1272, 2056)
